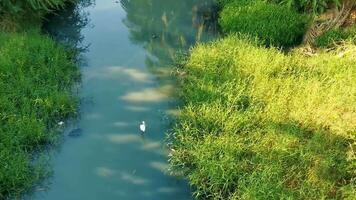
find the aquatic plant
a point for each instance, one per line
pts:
(36, 78)
(259, 124)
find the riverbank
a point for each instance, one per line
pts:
(36, 78)
(261, 123)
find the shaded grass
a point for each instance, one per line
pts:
(336, 36)
(274, 25)
(36, 77)
(259, 124)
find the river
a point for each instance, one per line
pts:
(126, 58)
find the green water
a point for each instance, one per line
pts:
(126, 69)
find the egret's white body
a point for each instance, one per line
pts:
(143, 126)
(61, 123)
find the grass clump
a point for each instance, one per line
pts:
(274, 25)
(259, 124)
(336, 36)
(36, 77)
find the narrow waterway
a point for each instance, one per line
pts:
(130, 45)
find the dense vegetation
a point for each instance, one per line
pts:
(262, 125)
(273, 24)
(259, 123)
(36, 76)
(335, 36)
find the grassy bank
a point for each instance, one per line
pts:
(36, 76)
(258, 124)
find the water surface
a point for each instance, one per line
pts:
(130, 45)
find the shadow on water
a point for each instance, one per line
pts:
(132, 45)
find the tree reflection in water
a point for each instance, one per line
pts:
(164, 27)
(65, 26)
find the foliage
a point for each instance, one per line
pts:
(36, 77)
(259, 124)
(273, 24)
(336, 36)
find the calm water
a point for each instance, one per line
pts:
(130, 45)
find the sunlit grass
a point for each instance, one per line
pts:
(36, 77)
(260, 124)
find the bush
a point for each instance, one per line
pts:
(336, 36)
(36, 77)
(273, 24)
(258, 124)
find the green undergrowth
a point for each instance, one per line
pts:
(36, 77)
(336, 36)
(260, 124)
(274, 25)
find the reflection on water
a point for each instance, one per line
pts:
(149, 94)
(127, 47)
(66, 25)
(164, 27)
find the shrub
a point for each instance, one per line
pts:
(336, 36)
(273, 24)
(259, 124)
(36, 77)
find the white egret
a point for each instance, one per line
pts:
(143, 127)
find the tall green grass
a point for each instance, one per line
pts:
(273, 24)
(259, 124)
(36, 77)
